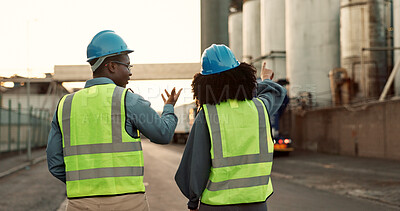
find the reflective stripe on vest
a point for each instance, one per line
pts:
(116, 146)
(88, 180)
(104, 172)
(238, 183)
(224, 188)
(219, 160)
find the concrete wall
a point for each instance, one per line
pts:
(367, 131)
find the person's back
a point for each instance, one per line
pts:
(241, 154)
(230, 143)
(98, 152)
(94, 144)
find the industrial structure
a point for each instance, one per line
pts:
(324, 48)
(396, 35)
(273, 45)
(341, 58)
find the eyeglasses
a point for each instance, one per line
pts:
(129, 66)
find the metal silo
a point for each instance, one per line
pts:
(396, 24)
(251, 31)
(235, 34)
(363, 27)
(214, 22)
(312, 47)
(273, 36)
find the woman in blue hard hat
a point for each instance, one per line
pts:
(227, 161)
(94, 144)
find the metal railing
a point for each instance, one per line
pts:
(23, 129)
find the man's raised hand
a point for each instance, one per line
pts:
(172, 98)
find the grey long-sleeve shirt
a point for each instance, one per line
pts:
(139, 116)
(194, 169)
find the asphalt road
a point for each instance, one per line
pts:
(161, 162)
(31, 189)
(376, 180)
(294, 197)
(302, 181)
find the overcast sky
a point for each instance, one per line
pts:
(44, 33)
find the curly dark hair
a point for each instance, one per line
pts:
(238, 83)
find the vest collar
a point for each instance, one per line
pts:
(98, 81)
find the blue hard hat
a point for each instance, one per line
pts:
(105, 43)
(216, 59)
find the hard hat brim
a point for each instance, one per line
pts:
(211, 72)
(117, 53)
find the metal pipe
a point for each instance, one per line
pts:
(354, 4)
(28, 87)
(353, 64)
(29, 152)
(34, 124)
(19, 128)
(363, 82)
(49, 88)
(390, 81)
(9, 125)
(40, 127)
(54, 96)
(271, 52)
(270, 55)
(363, 75)
(392, 75)
(380, 49)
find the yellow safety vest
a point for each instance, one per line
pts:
(100, 157)
(241, 153)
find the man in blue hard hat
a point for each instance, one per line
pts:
(227, 161)
(94, 145)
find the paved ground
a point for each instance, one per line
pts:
(10, 162)
(290, 196)
(161, 163)
(32, 187)
(373, 179)
(302, 181)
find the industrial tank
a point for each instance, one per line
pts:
(396, 24)
(235, 34)
(312, 47)
(363, 26)
(214, 22)
(251, 31)
(273, 36)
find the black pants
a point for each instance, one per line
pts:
(262, 206)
